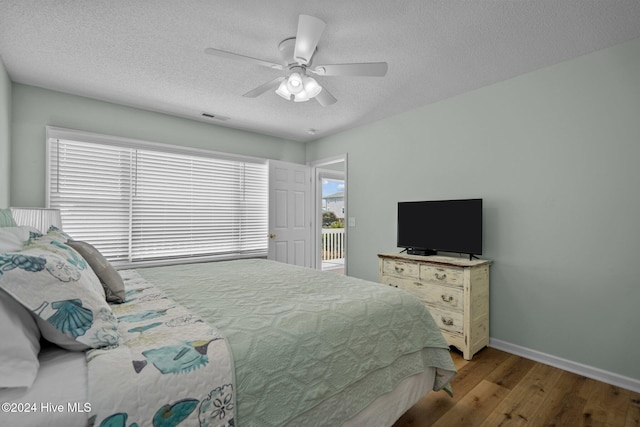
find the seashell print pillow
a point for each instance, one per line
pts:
(56, 241)
(68, 301)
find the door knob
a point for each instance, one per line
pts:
(272, 236)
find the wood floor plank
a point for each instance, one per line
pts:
(458, 360)
(476, 370)
(633, 414)
(564, 404)
(526, 398)
(474, 407)
(511, 371)
(499, 389)
(607, 405)
(427, 411)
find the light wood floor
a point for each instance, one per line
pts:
(501, 389)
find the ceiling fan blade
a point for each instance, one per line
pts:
(374, 69)
(324, 98)
(265, 87)
(236, 57)
(309, 31)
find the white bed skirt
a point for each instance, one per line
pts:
(386, 409)
(62, 380)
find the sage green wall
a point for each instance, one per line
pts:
(34, 108)
(555, 154)
(5, 135)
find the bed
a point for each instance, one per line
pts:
(233, 343)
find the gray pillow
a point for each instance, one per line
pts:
(109, 277)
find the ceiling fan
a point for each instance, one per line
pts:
(297, 54)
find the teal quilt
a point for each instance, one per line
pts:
(307, 344)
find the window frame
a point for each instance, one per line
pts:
(53, 133)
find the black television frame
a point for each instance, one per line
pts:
(454, 226)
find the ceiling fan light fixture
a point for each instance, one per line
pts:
(298, 87)
(302, 96)
(311, 86)
(294, 83)
(283, 91)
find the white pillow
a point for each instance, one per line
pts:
(20, 340)
(12, 239)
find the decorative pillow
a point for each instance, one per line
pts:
(111, 281)
(53, 235)
(20, 340)
(57, 233)
(69, 303)
(6, 218)
(56, 241)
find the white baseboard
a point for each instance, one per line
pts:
(567, 365)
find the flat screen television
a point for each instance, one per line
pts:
(441, 225)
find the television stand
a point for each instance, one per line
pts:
(455, 290)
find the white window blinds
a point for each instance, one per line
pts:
(139, 204)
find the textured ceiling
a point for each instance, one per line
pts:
(150, 54)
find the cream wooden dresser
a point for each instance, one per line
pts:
(455, 290)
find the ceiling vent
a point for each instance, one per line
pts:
(215, 117)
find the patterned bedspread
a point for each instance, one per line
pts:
(309, 348)
(171, 367)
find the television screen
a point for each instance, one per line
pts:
(441, 225)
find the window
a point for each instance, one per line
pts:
(140, 202)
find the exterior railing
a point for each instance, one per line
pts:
(332, 243)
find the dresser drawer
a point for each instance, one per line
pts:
(443, 296)
(451, 321)
(444, 275)
(414, 287)
(392, 267)
(399, 282)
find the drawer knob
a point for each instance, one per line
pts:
(447, 321)
(441, 277)
(447, 298)
(399, 269)
(418, 284)
(392, 285)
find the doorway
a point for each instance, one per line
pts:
(330, 212)
(332, 206)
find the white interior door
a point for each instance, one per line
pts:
(289, 213)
